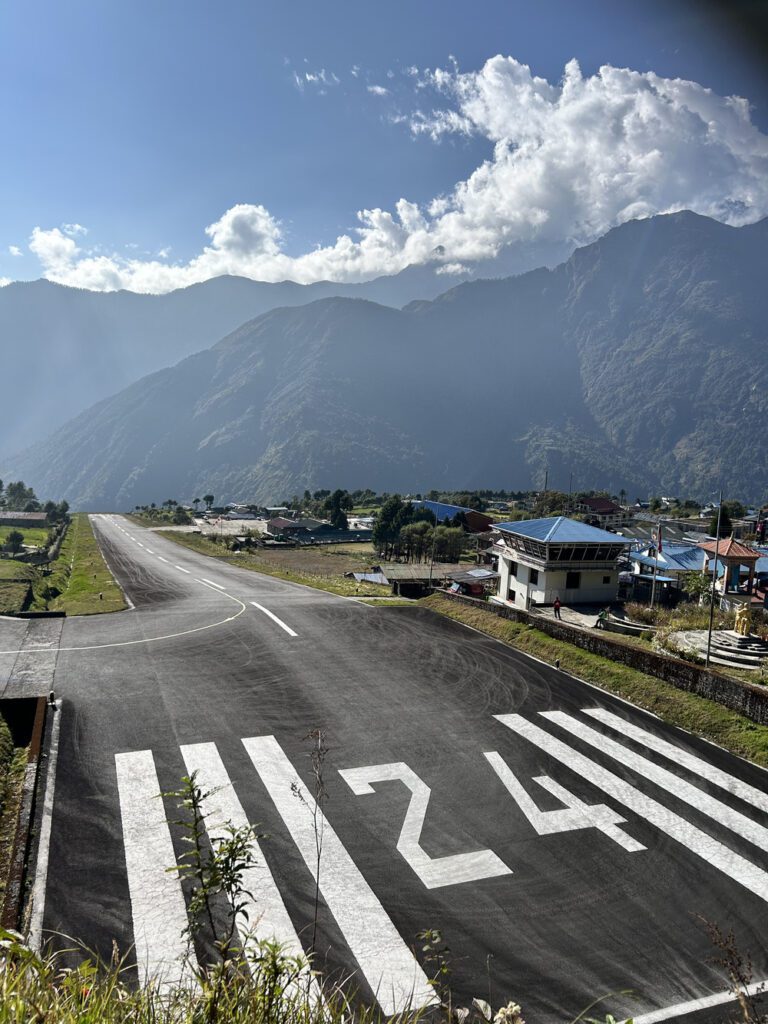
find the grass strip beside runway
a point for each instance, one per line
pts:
(13, 761)
(698, 715)
(295, 564)
(85, 584)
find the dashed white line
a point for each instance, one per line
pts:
(212, 584)
(149, 551)
(182, 569)
(274, 618)
(163, 559)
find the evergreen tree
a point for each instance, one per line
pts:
(726, 527)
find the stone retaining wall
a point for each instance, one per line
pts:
(750, 699)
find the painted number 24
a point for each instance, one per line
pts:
(435, 872)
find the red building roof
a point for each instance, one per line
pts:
(728, 548)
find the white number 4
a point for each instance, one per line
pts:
(575, 815)
(433, 871)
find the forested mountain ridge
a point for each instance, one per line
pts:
(87, 345)
(641, 362)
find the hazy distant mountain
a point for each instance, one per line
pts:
(69, 347)
(641, 362)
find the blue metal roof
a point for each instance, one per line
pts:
(441, 510)
(561, 530)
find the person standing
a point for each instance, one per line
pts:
(557, 606)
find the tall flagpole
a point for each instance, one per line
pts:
(714, 581)
(655, 562)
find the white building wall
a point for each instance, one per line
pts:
(596, 586)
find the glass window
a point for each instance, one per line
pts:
(572, 580)
(513, 568)
(534, 577)
(606, 580)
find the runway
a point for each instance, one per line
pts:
(563, 842)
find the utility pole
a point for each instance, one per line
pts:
(714, 581)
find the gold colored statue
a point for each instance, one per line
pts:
(743, 620)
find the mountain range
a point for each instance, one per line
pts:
(641, 363)
(80, 346)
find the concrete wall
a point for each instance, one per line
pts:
(749, 699)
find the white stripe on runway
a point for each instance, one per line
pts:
(157, 901)
(163, 559)
(266, 919)
(212, 584)
(274, 618)
(694, 764)
(719, 856)
(705, 1002)
(182, 569)
(149, 551)
(732, 819)
(387, 964)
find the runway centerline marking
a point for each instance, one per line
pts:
(211, 583)
(274, 618)
(163, 559)
(182, 569)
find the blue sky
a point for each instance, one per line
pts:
(146, 122)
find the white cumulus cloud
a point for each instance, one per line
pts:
(14, 250)
(378, 90)
(569, 160)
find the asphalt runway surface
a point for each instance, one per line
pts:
(565, 844)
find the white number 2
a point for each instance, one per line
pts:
(433, 871)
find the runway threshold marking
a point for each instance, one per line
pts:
(387, 964)
(157, 901)
(274, 618)
(732, 864)
(696, 765)
(664, 779)
(266, 918)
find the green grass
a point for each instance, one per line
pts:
(10, 569)
(702, 717)
(13, 761)
(14, 596)
(34, 535)
(297, 565)
(85, 584)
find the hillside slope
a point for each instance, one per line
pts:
(73, 347)
(641, 362)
